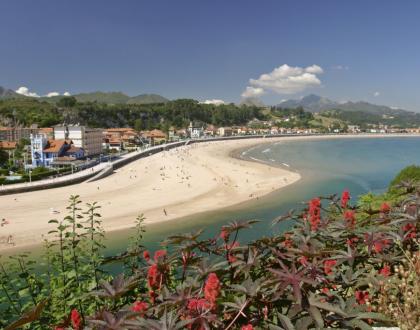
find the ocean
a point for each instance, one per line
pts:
(360, 165)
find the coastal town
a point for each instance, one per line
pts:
(200, 165)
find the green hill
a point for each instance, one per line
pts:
(103, 97)
(147, 99)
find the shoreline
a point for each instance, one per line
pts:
(185, 181)
(163, 187)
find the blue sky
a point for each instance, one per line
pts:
(211, 49)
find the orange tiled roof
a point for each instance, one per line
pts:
(120, 129)
(8, 145)
(156, 133)
(55, 145)
(46, 130)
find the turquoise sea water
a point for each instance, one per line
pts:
(326, 166)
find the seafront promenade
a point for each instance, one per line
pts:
(104, 169)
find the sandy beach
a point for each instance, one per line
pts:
(162, 187)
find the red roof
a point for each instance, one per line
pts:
(55, 145)
(8, 145)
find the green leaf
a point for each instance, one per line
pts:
(316, 315)
(285, 321)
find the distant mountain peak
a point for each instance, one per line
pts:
(6, 93)
(316, 103)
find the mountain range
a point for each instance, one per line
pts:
(100, 97)
(8, 93)
(315, 103)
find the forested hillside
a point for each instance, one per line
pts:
(176, 113)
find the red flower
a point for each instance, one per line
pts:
(385, 208)
(362, 297)
(380, 245)
(385, 271)
(352, 241)
(76, 320)
(315, 213)
(154, 277)
(224, 234)
(345, 197)
(326, 291)
(230, 255)
(198, 305)
(146, 255)
(139, 307)
(350, 218)
(410, 230)
(152, 295)
(159, 254)
(212, 289)
(303, 261)
(247, 327)
(328, 265)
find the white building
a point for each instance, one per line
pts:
(195, 131)
(225, 131)
(89, 139)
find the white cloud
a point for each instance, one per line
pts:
(341, 67)
(253, 92)
(285, 80)
(316, 69)
(376, 94)
(51, 94)
(214, 101)
(25, 91)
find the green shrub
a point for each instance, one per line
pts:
(410, 173)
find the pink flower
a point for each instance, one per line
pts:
(76, 320)
(212, 289)
(345, 197)
(328, 265)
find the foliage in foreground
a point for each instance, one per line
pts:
(332, 269)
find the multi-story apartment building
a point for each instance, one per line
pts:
(89, 139)
(17, 133)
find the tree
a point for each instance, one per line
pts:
(138, 124)
(67, 102)
(4, 157)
